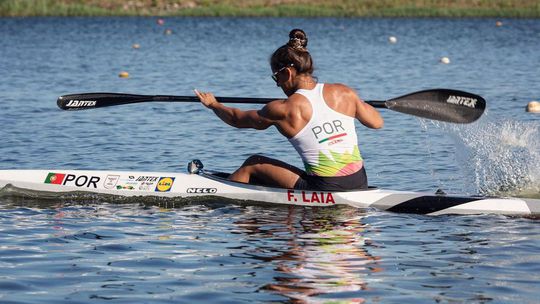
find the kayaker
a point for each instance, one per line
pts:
(318, 119)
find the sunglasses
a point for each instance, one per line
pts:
(274, 76)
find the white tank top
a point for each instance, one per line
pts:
(328, 143)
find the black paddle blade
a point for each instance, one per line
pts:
(98, 100)
(440, 104)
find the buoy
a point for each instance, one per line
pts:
(392, 39)
(168, 31)
(123, 74)
(445, 60)
(136, 46)
(160, 21)
(498, 23)
(533, 107)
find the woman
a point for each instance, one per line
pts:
(318, 120)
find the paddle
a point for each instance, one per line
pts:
(438, 104)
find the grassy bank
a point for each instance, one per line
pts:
(274, 8)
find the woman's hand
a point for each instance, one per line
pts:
(207, 99)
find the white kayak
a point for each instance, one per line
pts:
(206, 183)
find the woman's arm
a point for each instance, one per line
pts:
(367, 114)
(255, 119)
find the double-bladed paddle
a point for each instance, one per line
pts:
(438, 104)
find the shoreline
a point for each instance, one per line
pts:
(271, 8)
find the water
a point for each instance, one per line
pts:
(56, 251)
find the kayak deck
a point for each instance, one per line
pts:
(214, 184)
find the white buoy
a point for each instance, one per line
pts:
(498, 23)
(136, 46)
(533, 107)
(445, 60)
(392, 39)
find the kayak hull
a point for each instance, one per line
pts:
(181, 185)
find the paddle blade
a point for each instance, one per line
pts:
(98, 100)
(440, 104)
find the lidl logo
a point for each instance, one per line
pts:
(55, 178)
(164, 184)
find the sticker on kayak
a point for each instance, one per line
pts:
(310, 197)
(147, 183)
(201, 190)
(111, 181)
(72, 180)
(55, 178)
(125, 187)
(164, 184)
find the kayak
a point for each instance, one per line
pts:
(210, 184)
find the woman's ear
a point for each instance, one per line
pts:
(291, 73)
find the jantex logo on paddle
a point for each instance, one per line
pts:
(73, 103)
(164, 184)
(463, 101)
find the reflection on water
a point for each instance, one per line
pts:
(322, 256)
(229, 253)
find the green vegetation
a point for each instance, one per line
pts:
(274, 8)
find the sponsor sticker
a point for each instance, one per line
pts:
(146, 186)
(110, 181)
(164, 184)
(147, 179)
(201, 190)
(462, 100)
(124, 187)
(55, 178)
(73, 103)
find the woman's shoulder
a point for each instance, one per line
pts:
(339, 89)
(337, 86)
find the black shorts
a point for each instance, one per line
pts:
(355, 181)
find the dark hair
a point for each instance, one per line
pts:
(293, 53)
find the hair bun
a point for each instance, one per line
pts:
(298, 40)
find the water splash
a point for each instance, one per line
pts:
(503, 156)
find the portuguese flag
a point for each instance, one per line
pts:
(55, 178)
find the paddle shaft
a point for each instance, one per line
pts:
(237, 100)
(240, 100)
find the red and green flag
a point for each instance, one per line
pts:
(54, 178)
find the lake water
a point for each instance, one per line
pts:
(59, 251)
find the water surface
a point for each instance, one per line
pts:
(62, 251)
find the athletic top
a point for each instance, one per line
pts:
(328, 143)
